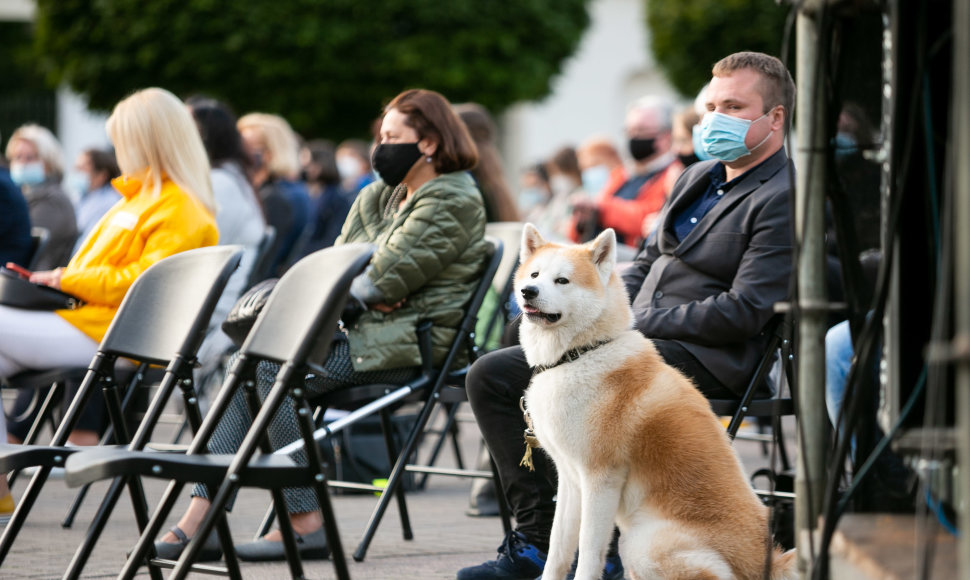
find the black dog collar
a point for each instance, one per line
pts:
(570, 356)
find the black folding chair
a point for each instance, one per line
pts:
(426, 389)
(264, 255)
(451, 399)
(769, 409)
(295, 329)
(161, 321)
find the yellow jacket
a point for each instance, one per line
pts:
(138, 231)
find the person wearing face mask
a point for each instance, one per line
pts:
(427, 220)
(93, 171)
(601, 169)
(15, 241)
(625, 206)
(274, 151)
(167, 208)
(702, 290)
(353, 164)
(37, 166)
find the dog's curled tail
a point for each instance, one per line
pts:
(784, 565)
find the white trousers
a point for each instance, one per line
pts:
(33, 339)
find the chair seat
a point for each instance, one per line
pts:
(264, 471)
(756, 408)
(14, 457)
(43, 379)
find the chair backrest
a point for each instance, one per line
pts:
(510, 234)
(466, 332)
(264, 255)
(166, 311)
(299, 319)
(39, 238)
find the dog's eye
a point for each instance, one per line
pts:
(562, 281)
(535, 274)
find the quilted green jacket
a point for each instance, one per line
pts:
(431, 253)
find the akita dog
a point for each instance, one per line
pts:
(633, 441)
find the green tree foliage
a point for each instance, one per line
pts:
(326, 65)
(689, 36)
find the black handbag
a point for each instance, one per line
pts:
(244, 312)
(19, 292)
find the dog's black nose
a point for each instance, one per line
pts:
(530, 292)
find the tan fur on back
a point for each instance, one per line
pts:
(629, 434)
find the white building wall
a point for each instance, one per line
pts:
(611, 68)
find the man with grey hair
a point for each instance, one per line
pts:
(630, 204)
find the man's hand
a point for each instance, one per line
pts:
(50, 278)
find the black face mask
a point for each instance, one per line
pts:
(393, 161)
(688, 159)
(640, 149)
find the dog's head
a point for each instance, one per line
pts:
(559, 285)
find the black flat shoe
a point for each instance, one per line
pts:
(211, 550)
(312, 546)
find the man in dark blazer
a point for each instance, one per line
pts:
(702, 289)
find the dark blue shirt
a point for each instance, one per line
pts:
(687, 220)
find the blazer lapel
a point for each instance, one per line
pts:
(668, 240)
(734, 196)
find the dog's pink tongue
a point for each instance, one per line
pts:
(530, 309)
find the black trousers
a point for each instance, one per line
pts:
(495, 383)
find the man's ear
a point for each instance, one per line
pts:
(531, 241)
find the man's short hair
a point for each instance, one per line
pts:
(778, 88)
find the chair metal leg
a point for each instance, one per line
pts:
(144, 550)
(402, 505)
(134, 485)
(318, 464)
(230, 484)
(133, 385)
(95, 375)
(45, 413)
(394, 479)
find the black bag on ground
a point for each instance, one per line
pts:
(358, 454)
(19, 292)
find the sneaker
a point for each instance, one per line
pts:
(517, 560)
(6, 508)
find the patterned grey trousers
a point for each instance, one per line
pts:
(284, 429)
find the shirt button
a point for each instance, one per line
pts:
(658, 294)
(720, 192)
(360, 359)
(693, 220)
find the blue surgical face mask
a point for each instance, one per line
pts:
(595, 178)
(845, 144)
(698, 145)
(79, 182)
(723, 136)
(31, 173)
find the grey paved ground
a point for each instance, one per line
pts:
(445, 538)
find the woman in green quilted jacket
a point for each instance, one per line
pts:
(427, 220)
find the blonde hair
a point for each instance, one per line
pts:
(48, 148)
(153, 129)
(277, 137)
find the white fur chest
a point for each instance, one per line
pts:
(563, 401)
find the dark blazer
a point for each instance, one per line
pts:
(714, 291)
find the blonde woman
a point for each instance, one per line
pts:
(274, 151)
(167, 208)
(37, 166)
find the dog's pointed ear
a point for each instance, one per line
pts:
(604, 253)
(531, 241)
